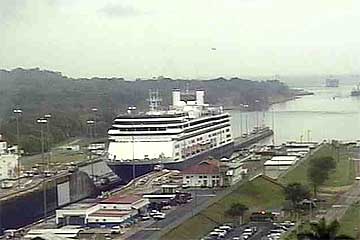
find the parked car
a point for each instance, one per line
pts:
(167, 207)
(225, 227)
(159, 216)
(116, 230)
(154, 212)
(144, 217)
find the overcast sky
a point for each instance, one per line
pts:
(146, 38)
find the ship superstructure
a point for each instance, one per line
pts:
(332, 82)
(175, 138)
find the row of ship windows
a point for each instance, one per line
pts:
(210, 135)
(142, 129)
(170, 121)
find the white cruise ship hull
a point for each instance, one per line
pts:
(125, 169)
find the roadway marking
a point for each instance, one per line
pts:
(151, 229)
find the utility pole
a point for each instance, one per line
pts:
(41, 122)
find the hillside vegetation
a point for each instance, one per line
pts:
(70, 100)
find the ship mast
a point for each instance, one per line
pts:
(154, 100)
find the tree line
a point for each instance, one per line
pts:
(69, 100)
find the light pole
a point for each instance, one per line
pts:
(246, 124)
(17, 113)
(257, 113)
(41, 122)
(241, 127)
(273, 125)
(91, 123)
(47, 117)
(241, 124)
(133, 158)
(94, 110)
(245, 106)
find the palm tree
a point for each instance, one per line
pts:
(237, 210)
(321, 231)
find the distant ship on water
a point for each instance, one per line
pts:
(332, 82)
(356, 91)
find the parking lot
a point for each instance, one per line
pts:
(250, 231)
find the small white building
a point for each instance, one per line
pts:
(9, 161)
(235, 172)
(97, 148)
(75, 214)
(112, 211)
(205, 174)
(279, 164)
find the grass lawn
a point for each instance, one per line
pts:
(258, 194)
(58, 158)
(350, 221)
(343, 175)
(61, 156)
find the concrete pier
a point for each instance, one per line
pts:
(242, 142)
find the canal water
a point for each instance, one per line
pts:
(331, 113)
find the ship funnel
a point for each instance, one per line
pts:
(200, 97)
(176, 97)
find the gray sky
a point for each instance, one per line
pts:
(146, 38)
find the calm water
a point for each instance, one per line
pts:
(329, 114)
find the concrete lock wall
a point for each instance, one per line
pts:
(23, 208)
(81, 186)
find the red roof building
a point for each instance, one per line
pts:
(204, 174)
(205, 167)
(124, 202)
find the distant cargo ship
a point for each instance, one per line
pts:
(332, 82)
(356, 91)
(184, 135)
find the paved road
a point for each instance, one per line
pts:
(176, 216)
(202, 199)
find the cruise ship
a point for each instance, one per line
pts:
(181, 136)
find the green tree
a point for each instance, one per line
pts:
(319, 169)
(237, 210)
(322, 230)
(295, 192)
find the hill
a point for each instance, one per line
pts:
(70, 100)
